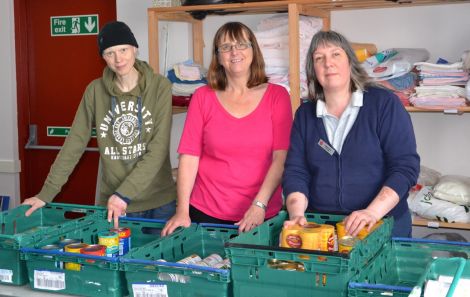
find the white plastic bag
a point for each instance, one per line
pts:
(453, 188)
(427, 206)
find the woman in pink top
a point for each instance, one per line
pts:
(235, 139)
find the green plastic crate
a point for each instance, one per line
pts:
(400, 265)
(171, 279)
(456, 268)
(18, 231)
(99, 276)
(325, 273)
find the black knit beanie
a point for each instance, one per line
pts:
(115, 33)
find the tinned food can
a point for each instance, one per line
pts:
(95, 250)
(111, 241)
(124, 235)
(57, 248)
(361, 235)
(212, 259)
(290, 236)
(192, 259)
(74, 248)
(346, 243)
(66, 241)
(320, 237)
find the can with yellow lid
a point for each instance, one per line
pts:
(111, 241)
(290, 236)
(361, 235)
(74, 248)
(346, 243)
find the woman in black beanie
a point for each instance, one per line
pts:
(130, 106)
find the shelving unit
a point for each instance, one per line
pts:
(294, 8)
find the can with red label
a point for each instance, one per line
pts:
(124, 235)
(320, 237)
(290, 236)
(95, 250)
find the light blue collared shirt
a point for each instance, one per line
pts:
(337, 129)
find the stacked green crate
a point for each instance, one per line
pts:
(147, 275)
(98, 275)
(322, 273)
(17, 230)
(400, 266)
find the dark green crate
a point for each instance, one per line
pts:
(457, 268)
(141, 266)
(326, 273)
(17, 230)
(99, 276)
(400, 265)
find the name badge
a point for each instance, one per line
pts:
(326, 147)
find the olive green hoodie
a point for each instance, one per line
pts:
(133, 134)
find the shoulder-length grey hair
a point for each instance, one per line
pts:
(359, 78)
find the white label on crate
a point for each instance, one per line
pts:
(150, 290)
(6, 275)
(49, 280)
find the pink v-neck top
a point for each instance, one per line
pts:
(234, 153)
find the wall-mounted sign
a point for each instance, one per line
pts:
(74, 25)
(54, 131)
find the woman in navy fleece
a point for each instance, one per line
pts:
(353, 148)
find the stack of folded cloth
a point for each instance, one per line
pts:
(272, 35)
(441, 85)
(438, 97)
(186, 77)
(441, 74)
(403, 86)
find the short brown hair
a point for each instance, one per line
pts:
(216, 77)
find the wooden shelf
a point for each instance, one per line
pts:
(179, 109)
(457, 110)
(294, 8)
(418, 221)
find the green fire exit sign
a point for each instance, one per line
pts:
(55, 131)
(74, 25)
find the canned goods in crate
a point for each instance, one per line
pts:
(190, 259)
(57, 248)
(95, 250)
(74, 248)
(212, 259)
(320, 237)
(361, 235)
(111, 241)
(290, 236)
(124, 235)
(224, 264)
(67, 241)
(346, 243)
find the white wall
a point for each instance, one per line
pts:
(9, 162)
(443, 140)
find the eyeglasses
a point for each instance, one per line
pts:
(227, 47)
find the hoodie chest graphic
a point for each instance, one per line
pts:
(125, 123)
